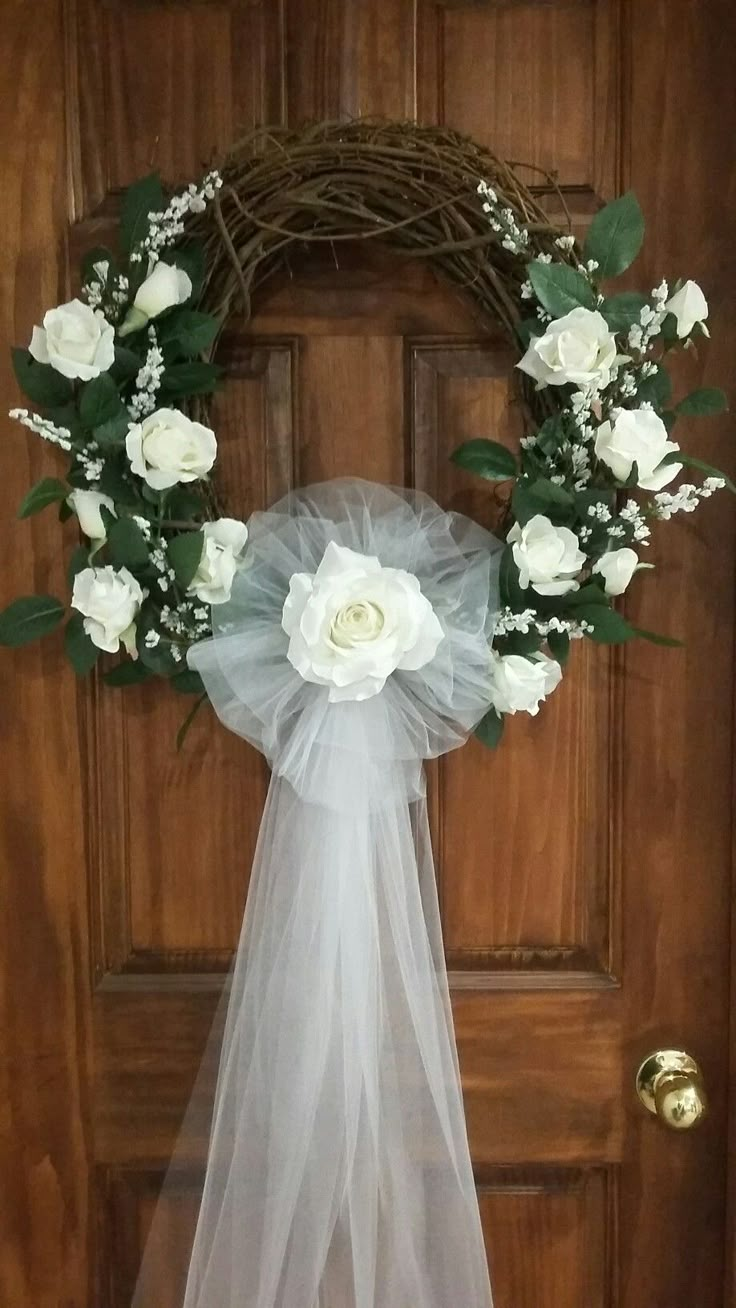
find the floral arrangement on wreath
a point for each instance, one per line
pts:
(112, 374)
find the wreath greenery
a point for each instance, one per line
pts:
(119, 381)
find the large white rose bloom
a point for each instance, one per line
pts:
(76, 340)
(637, 436)
(689, 307)
(578, 348)
(518, 684)
(109, 599)
(548, 557)
(167, 448)
(224, 542)
(353, 623)
(87, 504)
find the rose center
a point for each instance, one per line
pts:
(355, 623)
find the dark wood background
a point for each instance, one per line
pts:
(584, 869)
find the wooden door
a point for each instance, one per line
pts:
(584, 868)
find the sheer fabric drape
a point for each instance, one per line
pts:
(338, 1171)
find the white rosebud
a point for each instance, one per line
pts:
(518, 684)
(637, 436)
(87, 504)
(617, 567)
(578, 348)
(224, 542)
(109, 599)
(167, 448)
(164, 287)
(548, 557)
(354, 622)
(689, 307)
(76, 340)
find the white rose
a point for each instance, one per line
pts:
(548, 557)
(87, 504)
(76, 340)
(518, 684)
(109, 599)
(167, 447)
(163, 288)
(689, 306)
(354, 623)
(578, 348)
(637, 436)
(224, 542)
(617, 567)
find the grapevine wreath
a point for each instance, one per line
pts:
(118, 380)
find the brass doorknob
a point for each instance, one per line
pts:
(670, 1084)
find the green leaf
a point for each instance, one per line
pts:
(189, 332)
(560, 288)
(77, 563)
(615, 236)
(622, 311)
(47, 491)
(188, 683)
(590, 593)
(115, 482)
(186, 724)
(702, 403)
(40, 382)
(519, 642)
(558, 643)
(80, 651)
(128, 673)
(182, 502)
(191, 259)
(127, 544)
(486, 459)
(127, 364)
(609, 627)
(143, 197)
(190, 378)
(100, 402)
(690, 461)
(490, 729)
(29, 618)
(114, 431)
(550, 435)
(655, 639)
(508, 582)
(185, 552)
(657, 389)
(527, 329)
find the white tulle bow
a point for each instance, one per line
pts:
(338, 1173)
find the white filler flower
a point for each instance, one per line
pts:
(354, 623)
(87, 504)
(224, 542)
(76, 340)
(577, 349)
(109, 599)
(637, 436)
(689, 306)
(548, 557)
(167, 448)
(518, 684)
